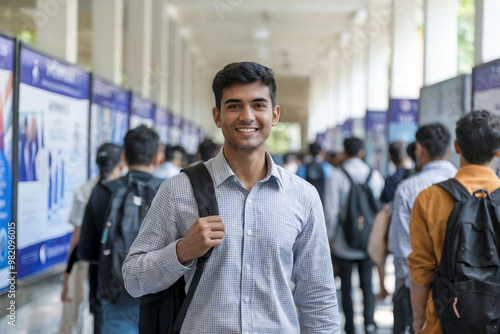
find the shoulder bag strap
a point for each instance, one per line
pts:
(204, 192)
(347, 174)
(455, 189)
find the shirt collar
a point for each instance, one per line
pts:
(221, 170)
(437, 164)
(475, 171)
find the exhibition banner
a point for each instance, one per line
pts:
(53, 156)
(108, 117)
(486, 86)
(376, 140)
(162, 124)
(176, 128)
(142, 112)
(403, 120)
(346, 129)
(7, 226)
(445, 102)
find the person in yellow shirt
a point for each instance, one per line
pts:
(478, 144)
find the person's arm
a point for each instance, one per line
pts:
(89, 242)
(159, 256)
(422, 261)
(419, 296)
(315, 292)
(400, 231)
(332, 200)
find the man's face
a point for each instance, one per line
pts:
(246, 116)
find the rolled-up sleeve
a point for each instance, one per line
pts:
(400, 232)
(151, 264)
(422, 261)
(315, 293)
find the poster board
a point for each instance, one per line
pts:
(53, 156)
(7, 226)
(486, 86)
(445, 102)
(402, 119)
(109, 116)
(376, 140)
(162, 125)
(142, 112)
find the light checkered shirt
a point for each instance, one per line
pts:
(275, 234)
(406, 194)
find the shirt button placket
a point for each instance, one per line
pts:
(248, 254)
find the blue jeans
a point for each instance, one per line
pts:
(120, 318)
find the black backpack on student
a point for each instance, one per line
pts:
(315, 176)
(164, 312)
(130, 201)
(362, 206)
(466, 289)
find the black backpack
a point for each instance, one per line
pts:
(316, 176)
(164, 312)
(362, 206)
(130, 201)
(466, 289)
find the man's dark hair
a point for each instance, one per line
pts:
(169, 152)
(411, 150)
(140, 146)
(315, 148)
(353, 145)
(434, 138)
(243, 73)
(207, 149)
(107, 158)
(397, 152)
(478, 136)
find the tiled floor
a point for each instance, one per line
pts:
(43, 315)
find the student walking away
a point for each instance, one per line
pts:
(432, 151)
(270, 230)
(316, 171)
(112, 220)
(174, 160)
(109, 162)
(402, 162)
(351, 202)
(455, 236)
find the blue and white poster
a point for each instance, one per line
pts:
(376, 140)
(53, 156)
(191, 141)
(7, 47)
(162, 124)
(142, 112)
(486, 86)
(445, 102)
(346, 129)
(403, 120)
(176, 130)
(108, 117)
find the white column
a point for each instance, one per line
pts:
(107, 39)
(358, 77)
(486, 45)
(159, 59)
(138, 46)
(179, 47)
(187, 95)
(377, 82)
(57, 28)
(345, 87)
(407, 53)
(440, 40)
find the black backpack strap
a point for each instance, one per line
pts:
(455, 189)
(368, 178)
(347, 174)
(204, 192)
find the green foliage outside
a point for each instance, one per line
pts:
(466, 19)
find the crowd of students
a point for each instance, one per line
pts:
(280, 230)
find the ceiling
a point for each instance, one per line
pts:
(291, 36)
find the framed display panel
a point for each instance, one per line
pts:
(53, 145)
(376, 140)
(142, 112)
(402, 120)
(109, 117)
(162, 124)
(486, 86)
(7, 155)
(445, 102)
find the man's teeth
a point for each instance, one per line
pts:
(247, 130)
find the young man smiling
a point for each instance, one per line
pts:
(270, 230)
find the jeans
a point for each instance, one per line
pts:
(120, 318)
(403, 317)
(365, 282)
